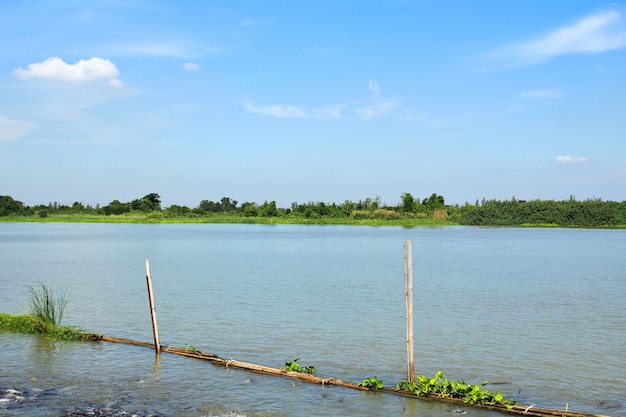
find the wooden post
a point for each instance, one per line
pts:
(408, 285)
(155, 329)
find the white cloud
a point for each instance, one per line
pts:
(13, 129)
(295, 112)
(541, 94)
(375, 110)
(116, 83)
(150, 48)
(170, 49)
(83, 71)
(191, 66)
(247, 23)
(600, 32)
(379, 107)
(373, 87)
(366, 110)
(571, 159)
(412, 116)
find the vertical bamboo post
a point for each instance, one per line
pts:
(155, 329)
(408, 285)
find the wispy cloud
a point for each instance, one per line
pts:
(295, 112)
(190, 66)
(413, 116)
(248, 22)
(11, 129)
(85, 70)
(375, 110)
(151, 48)
(365, 110)
(373, 87)
(159, 49)
(378, 106)
(540, 94)
(600, 32)
(571, 159)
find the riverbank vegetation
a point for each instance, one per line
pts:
(409, 211)
(46, 312)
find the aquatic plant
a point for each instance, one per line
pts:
(47, 306)
(294, 366)
(191, 348)
(443, 387)
(371, 383)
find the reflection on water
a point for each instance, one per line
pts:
(539, 310)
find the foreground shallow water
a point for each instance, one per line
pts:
(55, 378)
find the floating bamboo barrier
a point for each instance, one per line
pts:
(230, 363)
(530, 410)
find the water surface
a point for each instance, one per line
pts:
(540, 310)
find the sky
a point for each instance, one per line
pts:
(309, 101)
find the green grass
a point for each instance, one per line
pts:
(219, 218)
(29, 324)
(47, 307)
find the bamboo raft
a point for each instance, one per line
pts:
(530, 410)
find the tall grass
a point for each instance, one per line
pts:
(47, 306)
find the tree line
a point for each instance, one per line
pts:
(587, 213)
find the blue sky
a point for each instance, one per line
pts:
(312, 100)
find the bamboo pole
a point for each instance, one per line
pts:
(408, 284)
(155, 329)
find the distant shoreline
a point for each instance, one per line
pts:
(137, 218)
(147, 219)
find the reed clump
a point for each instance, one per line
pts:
(47, 307)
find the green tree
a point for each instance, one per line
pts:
(149, 202)
(176, 210)
(228, 204)
(77, 207)
(250, 209)
(207, 206)
(408, 203)
(268, 209)
(10, 206)
(116, 207)
(434, 201)
(153, 200)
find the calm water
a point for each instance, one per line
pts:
(539, 310)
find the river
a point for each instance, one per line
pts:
(539, 313)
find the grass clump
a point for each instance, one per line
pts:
(47, 307)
